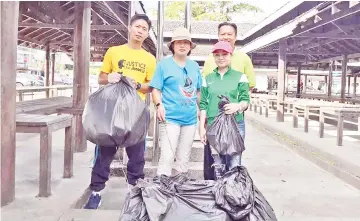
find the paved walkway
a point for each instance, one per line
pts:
(296, 188)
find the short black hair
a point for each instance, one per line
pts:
(140, 17)
(171, 48)
(228, 24)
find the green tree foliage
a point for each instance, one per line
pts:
(207, 11)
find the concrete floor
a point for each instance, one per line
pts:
(295, 188)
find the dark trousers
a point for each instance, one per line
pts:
(105, 155)
(209, 160)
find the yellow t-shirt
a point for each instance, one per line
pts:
(240, 62)
(137, 64)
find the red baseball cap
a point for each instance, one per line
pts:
(223, 45)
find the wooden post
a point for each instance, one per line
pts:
(159, 55)
(298, 89)
(343, 77)
(305, 83)
(52, 69)
(9, 12)
(188, 16)
(354, 91)
(325, 81)
(348, 85)
(330, 78)
(281, 80)
(81, 68)
(47, 74)
(53, 91)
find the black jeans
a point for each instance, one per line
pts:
(101, 169)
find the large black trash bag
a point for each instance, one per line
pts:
(134, 207)
(223, 134)
(180, 198)
(249, 205)
(115, 115)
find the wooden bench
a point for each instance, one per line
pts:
(80, 141)
(45, 125)
(44, 105)
(305, 107)
(340, 114)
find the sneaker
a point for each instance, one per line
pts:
(94, 201)
(219, 170)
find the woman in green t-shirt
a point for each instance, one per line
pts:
(223, 81)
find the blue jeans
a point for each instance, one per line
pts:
(235, 160)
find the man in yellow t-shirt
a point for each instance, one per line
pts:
(240, 62)
(138, 65)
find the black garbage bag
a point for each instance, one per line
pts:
(223, 134)
(115, 115)
(250, 205)
(180, 198)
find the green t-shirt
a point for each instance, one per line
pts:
(240, 61)
(233, 84)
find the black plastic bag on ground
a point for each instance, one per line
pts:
(223, 134)
(115, 115)
(250, 205)
(234, 197)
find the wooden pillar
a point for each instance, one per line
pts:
(9, 12)
(159, 55)
(281, 80)
(348, 85)
(81, 68)
(331, 66)
(53, 91)
(305, 83)
(354, 91)
(47, 68)
(325, 81)
(188, 15)
(298, 89)
(343, 77)
(52, 68)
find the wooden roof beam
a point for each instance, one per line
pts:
(60, 15)
(298, 52)
(355, 36)
(69, 43)
(353, 46)
(347, 11)
(42, 33)
(71, 26)
(300, 43)
(41, 43)
(35, 13)
(113, 8)
(107, 23)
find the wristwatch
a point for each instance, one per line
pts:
(157, 105)
(138, 86)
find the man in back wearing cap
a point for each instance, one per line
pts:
(241, 62)
(176, 89)
(233, 84)
(138, 65)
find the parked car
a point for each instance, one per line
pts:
(23, 79)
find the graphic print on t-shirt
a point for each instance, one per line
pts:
(187, 89)
(132, 65)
